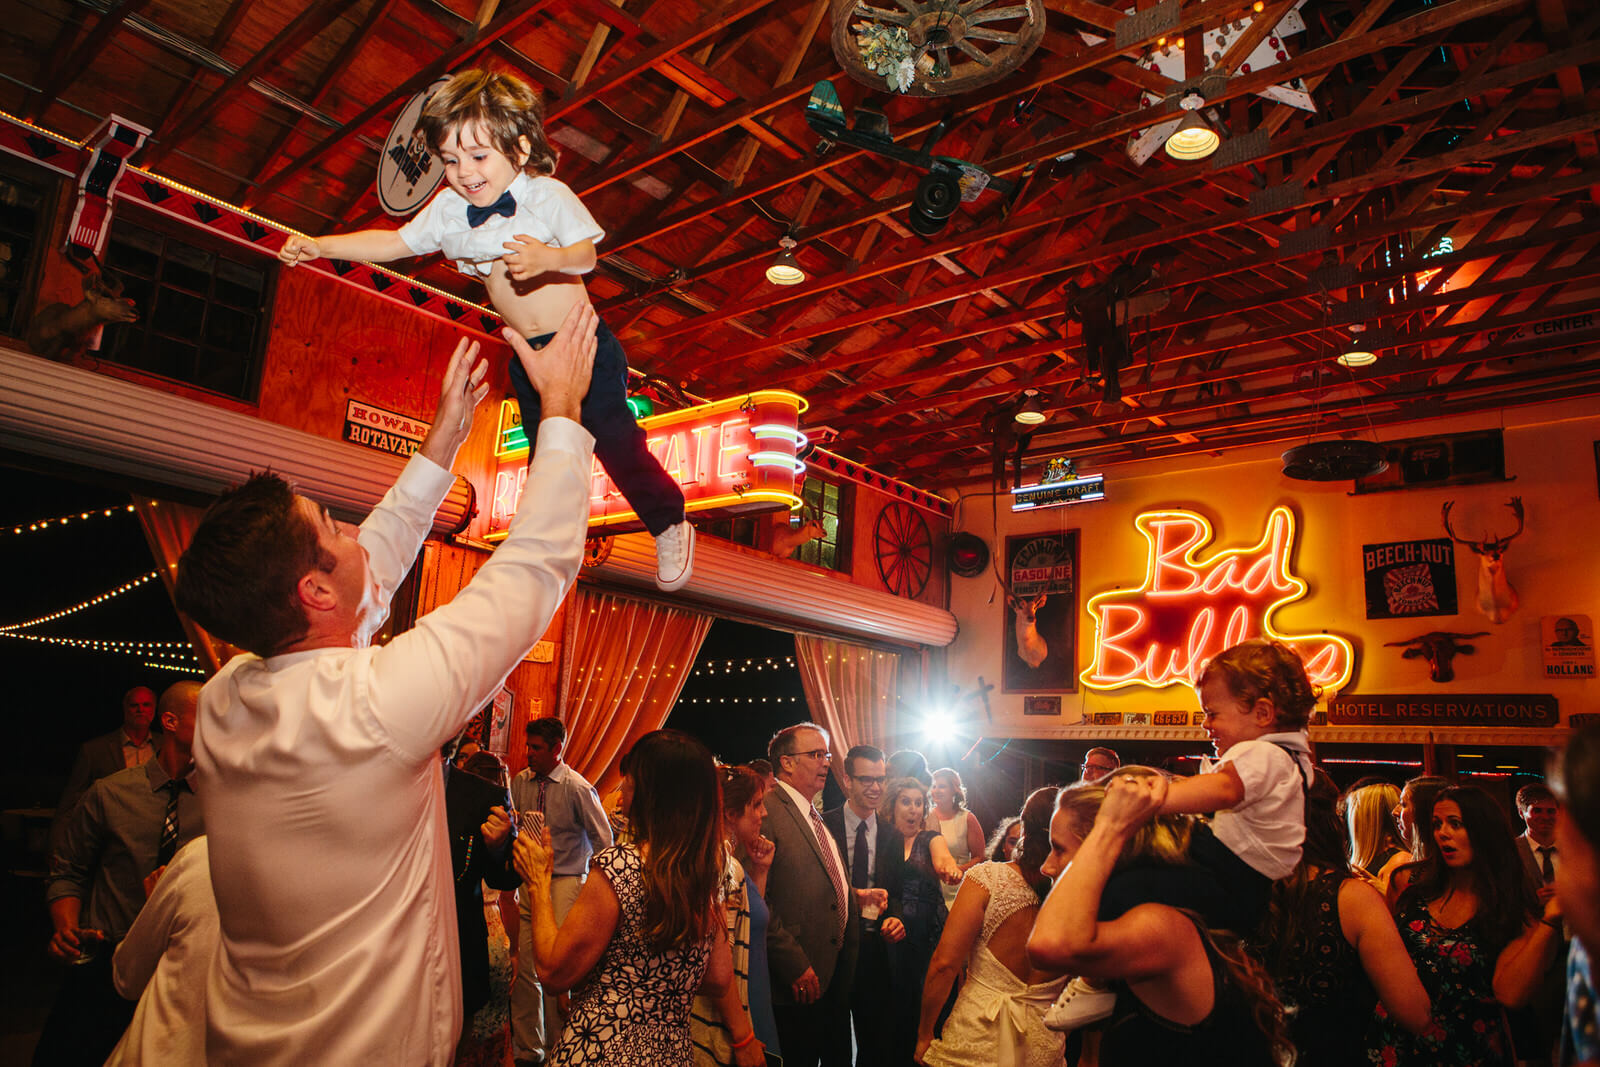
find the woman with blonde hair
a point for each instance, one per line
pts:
(962, 832)
(1183, 993)
(1375, 846)
(647, 929)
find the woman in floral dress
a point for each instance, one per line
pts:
(1472, 923)
(647, 930)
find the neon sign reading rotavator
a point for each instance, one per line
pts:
(1188, 609)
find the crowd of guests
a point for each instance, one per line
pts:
(283, 875)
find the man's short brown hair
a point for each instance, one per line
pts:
(238, 576)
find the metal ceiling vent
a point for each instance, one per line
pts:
(1334, 461)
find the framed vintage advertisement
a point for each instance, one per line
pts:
(1041, 614)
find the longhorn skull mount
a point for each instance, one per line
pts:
(1440, 648)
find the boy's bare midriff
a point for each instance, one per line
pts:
(535, 306)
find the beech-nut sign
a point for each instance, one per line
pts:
(1190, 607)
(733, 456)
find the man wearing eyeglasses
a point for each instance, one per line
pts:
(870, 846)
(813, 935)
(1097, 763)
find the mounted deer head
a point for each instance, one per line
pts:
(1031, 647)
(1496, 599)
(1440, 649)
(61, 331)
(786, 538)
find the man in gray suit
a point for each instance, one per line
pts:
(129, 745)
(1536, 1026)
(814, 932)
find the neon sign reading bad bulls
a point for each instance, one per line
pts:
(732, 456)
(1188, 609)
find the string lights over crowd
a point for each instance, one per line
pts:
(741, 666)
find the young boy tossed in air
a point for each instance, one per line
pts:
(1257, 700)
(504, 219)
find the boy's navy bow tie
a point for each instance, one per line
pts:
(477, 216)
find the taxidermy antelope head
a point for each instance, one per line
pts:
(1496, 598)
(786, 538)
(1030, 646)
(1440, 649)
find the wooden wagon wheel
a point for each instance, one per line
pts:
(957, 46)
(903, 548)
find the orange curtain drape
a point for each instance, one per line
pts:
(853, 691)
(625, 664)
(167, 529)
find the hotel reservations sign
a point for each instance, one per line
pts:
(1193, 603)
(734, 456)
(1452, 709)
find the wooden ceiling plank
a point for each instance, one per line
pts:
(223, 31)
(61, 71)
(791, 64)
(1333, 192)
(514, 16)
(1330, 131)
(657, 54)
(316, 17)
(1240, 368)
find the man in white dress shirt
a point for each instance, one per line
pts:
(317, 754)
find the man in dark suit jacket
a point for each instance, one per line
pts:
(813, 933)
(870, 847)
(129, 745)
(1535, 1027)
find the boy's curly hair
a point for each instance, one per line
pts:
(506, 108)
(1259, 668)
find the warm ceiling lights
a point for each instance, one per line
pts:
(784, 268)
(1357, 356)
(1031, 411)
(1194, 138)
(1362, 349)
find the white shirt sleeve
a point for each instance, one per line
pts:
(424, 232)
(394, 531)
(430, 679)
(569, 221)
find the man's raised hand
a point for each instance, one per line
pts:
(560, 371)
(464, 386)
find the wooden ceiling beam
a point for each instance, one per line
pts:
(1238, 367)
(174, 130)
(655, 55)
(517, 12)
(1148, 185)
(1331, 192)
(61, 70)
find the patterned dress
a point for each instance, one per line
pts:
(633, 1007)
(486, 1037)
(998, 1019)
(1457, 969)
(1326, 984)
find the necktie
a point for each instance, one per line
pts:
(1547, 870)
(506, 205)
(858, 862)
(829, 858)
(544, 783)
(169, 827)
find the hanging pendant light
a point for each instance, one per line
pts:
(1194, 138)
(784, 268)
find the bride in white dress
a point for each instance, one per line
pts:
(998, 1019)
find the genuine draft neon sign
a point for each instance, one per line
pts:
(1189, 608)
(732, 456)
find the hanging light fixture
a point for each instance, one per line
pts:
(1031, 411)
(784, 268)
(1361, 351)
(1194, 138)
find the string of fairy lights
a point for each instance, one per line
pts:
(162, 655)
(41, 525)
(743, 666)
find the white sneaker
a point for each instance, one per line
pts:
(1079, 1005)
(675, 556)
